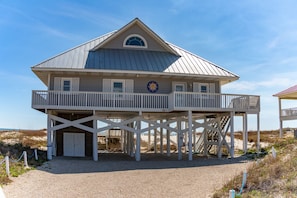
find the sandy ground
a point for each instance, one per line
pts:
(117, 175)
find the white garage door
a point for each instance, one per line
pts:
(74, 144)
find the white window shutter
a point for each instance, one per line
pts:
(57, 83)
(211, 87)
(129, 86)
(75, 84)
(196, 87)
(106, 85)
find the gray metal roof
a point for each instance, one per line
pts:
(83, 57)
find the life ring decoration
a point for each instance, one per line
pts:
(152, 86)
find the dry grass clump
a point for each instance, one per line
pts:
(13, 143)
(268, 136)
(31, 138)
(270, 176)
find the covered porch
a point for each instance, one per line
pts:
(286, 114)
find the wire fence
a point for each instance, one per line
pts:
(24, 155)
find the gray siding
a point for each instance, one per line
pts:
(93, 83)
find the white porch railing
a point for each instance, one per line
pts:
(143, 101)
(289, 112)
(216, 101)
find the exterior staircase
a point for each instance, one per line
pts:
(212, 133)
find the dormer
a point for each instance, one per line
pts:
(136, 36)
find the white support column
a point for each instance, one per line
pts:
(95, 141)
(280, 118)
(54, 140)
(132, 154)
(168, 142)
(106, 140)
(155, 140)
(232, 133)
(95, 147)
(194, 139)
(258, 133)
(137, 153)
(125, 142)
(49, 138)
(122, 140)
(185, 137)
(138, 140)
(180, 139)
(244, 133)
(205, 138)
(161, 138)
(190, 135)
(128, 143)
(149, 138)
(132, 149)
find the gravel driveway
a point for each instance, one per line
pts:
(120, 176)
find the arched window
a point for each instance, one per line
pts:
(135, 40)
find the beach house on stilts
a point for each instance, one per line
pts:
(132, 81)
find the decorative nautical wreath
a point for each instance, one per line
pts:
(152, 86)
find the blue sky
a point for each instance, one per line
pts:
(257, 40)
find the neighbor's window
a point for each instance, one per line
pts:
(135, 41)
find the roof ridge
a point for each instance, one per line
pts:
(214, 64)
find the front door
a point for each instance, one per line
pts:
(179, 97)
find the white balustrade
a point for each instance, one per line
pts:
(143, 101)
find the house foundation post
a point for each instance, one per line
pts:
(122, 140)
(95, 146)
(161, 138)
(232, 133)
(244, 133)
(280, 117)
(155, 140)
(95, 141)
(180, 140)
(185, 125)
(128, 142)
(168, 141)
(194, 138)
(149, 138)
(258, 133)
(49, 138)
(138, 139)
(125, 142)
(190, 143)
(133, 150)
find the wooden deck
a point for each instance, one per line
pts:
(145, 102)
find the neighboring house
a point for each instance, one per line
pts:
(287, 113)
(134, 81)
